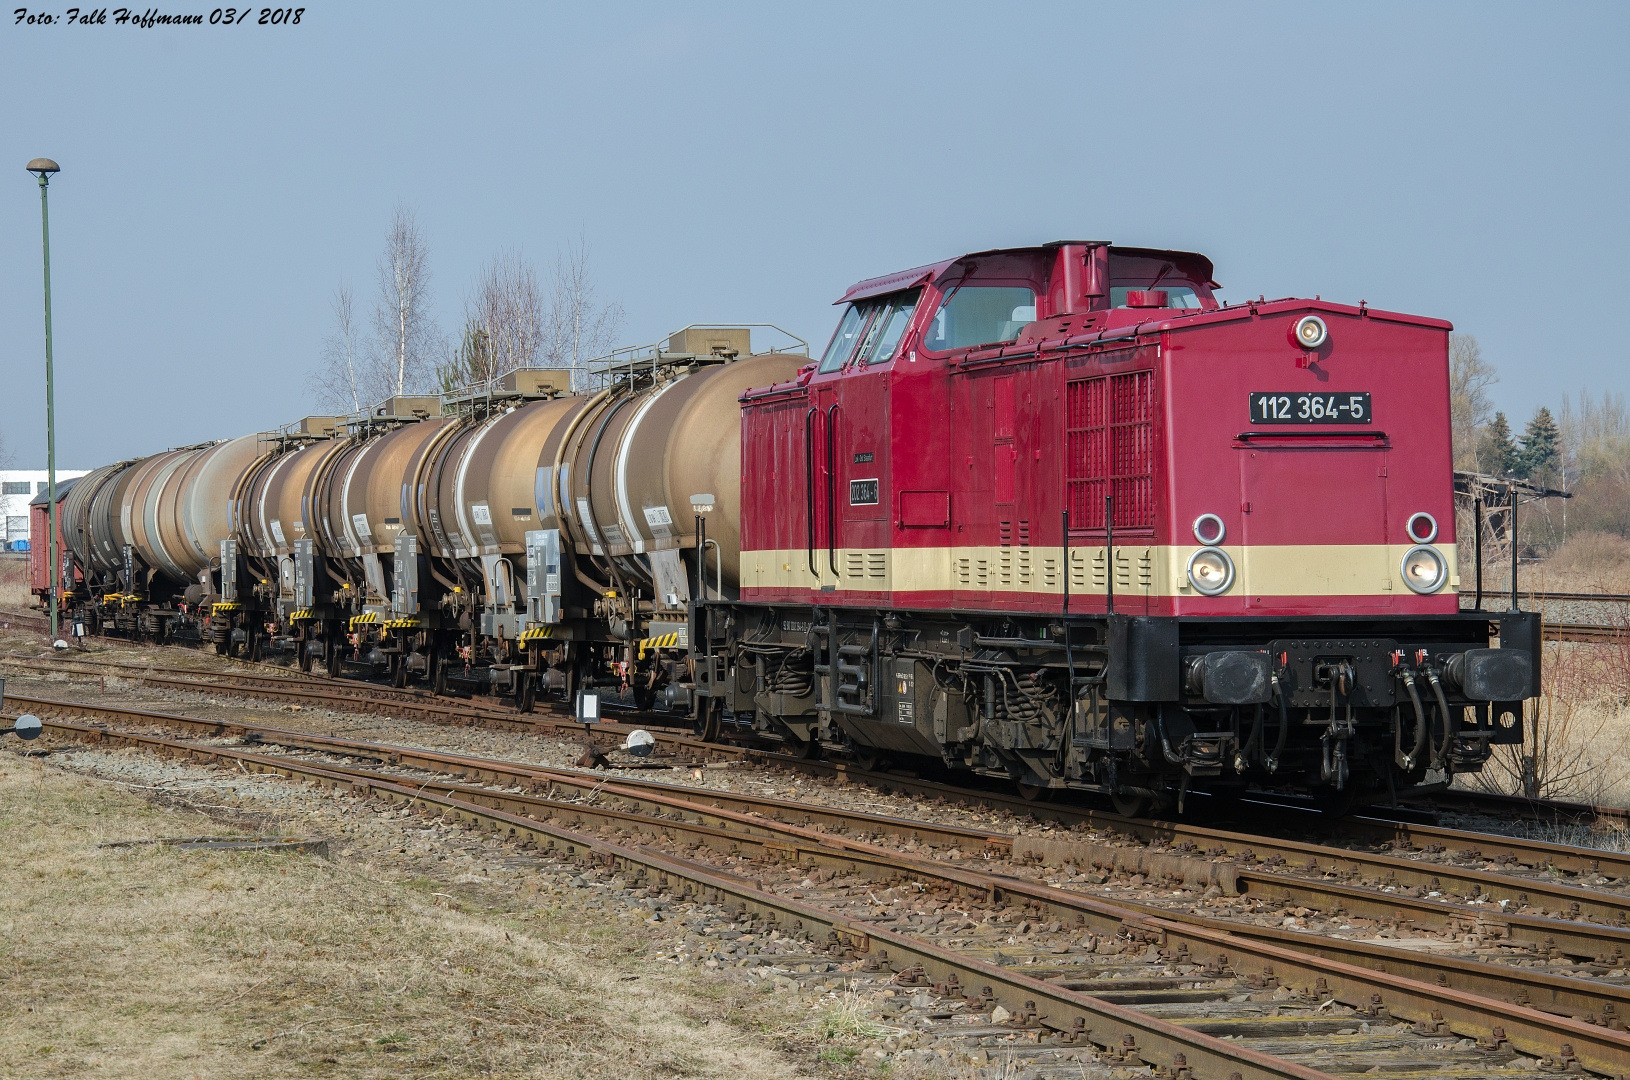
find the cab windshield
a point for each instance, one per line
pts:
(870, 331)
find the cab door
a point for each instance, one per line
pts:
(851, 394)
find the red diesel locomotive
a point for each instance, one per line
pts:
(1057, 515)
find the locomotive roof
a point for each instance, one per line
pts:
(1192, 261)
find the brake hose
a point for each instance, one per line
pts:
(1442, 752)
(1406, 762)
(1165, 744)
(1272, 762)
(1242, 761)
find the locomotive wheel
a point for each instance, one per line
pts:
(1332, 803)
(526, 694)
(1132, 806)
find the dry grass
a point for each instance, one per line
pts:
(14, 581)
(149, 962)
(1578, 732)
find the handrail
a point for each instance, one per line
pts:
(831, 486)
(1247, 436)
(809, 486)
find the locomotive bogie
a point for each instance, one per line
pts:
(1161, 706)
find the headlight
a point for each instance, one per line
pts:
(1424, 570)
(1310, 332)
(1211, 570)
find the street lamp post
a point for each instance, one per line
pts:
(44, 168)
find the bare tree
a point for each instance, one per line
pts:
(338, 384)
(1470, 409)
(503, 325)
(578, 327)
(406, 340)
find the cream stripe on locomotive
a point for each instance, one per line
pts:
(1158, 570)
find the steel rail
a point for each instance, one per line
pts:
(1195, 936)
(1117, 1029)
(1534, 854)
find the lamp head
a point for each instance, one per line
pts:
(43, 167)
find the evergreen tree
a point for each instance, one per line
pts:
(1541, 448)
(1497, 453)
(471, 364)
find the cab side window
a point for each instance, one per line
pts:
(980, 315)
(844, 341)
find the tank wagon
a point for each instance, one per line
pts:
(1053, 515)
(515, 539)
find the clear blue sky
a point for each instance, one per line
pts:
(748, 162)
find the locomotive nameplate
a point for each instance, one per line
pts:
(1273, 407)
(863, 493)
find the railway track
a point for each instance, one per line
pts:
(357, 696)
(307, 690)
(24, 620)
(1440, 995)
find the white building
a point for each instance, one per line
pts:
(17, 488)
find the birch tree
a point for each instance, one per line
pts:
(406, 340)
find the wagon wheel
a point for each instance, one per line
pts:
(439, 681)
(526, 693)
(223, 647)
(336, 660)
(399, 670)
(870, 759)
(305, 655)
(256, 648)
(803, 749)
(1035, 793)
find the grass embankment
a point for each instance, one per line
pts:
(148, 961)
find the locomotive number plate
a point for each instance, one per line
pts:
(1269, 407)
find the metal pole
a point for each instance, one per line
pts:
(50, 408)
(1513, 490)
(1477, 551)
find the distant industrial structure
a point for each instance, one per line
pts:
(17, 489)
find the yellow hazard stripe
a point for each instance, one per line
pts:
(665, 641)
